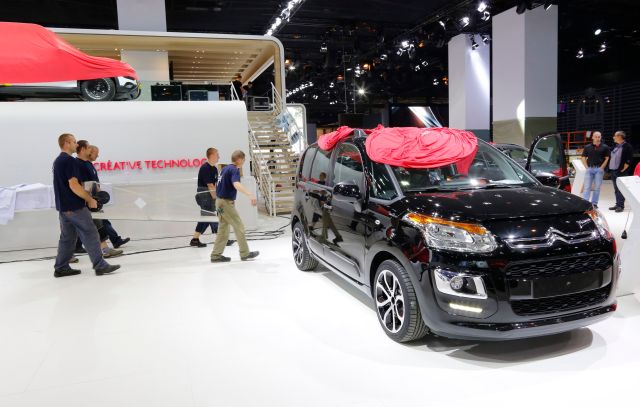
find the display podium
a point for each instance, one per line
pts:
(578, 181)
(629, 254)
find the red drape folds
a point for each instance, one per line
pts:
(30, 53)
(413, 147)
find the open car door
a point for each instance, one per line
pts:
(547, 161)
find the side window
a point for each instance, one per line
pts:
(307, 160)
(381, 186)
(348, 167)
(320, 167)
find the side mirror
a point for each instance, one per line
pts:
(346, 192)
(548, 179)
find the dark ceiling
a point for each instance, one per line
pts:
(358, 32)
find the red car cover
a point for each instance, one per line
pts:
(31, 53)
(637, 170)
(329, 140)
(413, 147)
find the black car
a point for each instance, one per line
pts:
(95, 90)
(490, 254)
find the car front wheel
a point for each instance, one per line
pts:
(397, 303)
(98, 90)
(301, 254)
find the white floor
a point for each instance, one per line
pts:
(172, 329)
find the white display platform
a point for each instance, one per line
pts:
(630, 254)
(578, 181)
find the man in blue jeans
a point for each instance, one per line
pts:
(75, 219)
(595, 158)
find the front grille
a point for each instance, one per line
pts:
(561, 303)
(559, 267)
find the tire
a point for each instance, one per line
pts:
(396, 303)
(301, 254)
(98, 90)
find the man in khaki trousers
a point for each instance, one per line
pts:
(227, 191)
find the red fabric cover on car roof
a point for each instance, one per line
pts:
(31, 53)
(329, 140)
(413, 147)
(637, 170)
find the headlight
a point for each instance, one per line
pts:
(601, 223)
(455, 236)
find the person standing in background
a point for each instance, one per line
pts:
(237, 85)
(620, 166)
(595, 158)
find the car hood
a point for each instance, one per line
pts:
(493, 204)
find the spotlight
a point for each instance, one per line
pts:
(383, 57)
(474, 44)
(485, 39)
(482, 6)
(405, 44)
(315, 97)
(485, 16)
(436, 82)
(361, 91)
(417, 68)
(580, 54)
(269, 32)
(597, 31)
(331, 85)
(603, 47)
(441, 23)
(464, 21)
(424, 63)
(400, 52)
(292, 67)
(323, 47)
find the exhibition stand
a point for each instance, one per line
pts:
(578, 181)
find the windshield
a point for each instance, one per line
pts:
(490, 169)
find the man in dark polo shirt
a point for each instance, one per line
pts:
(227, 191)
(75, 219)
(206, 190)
(595, 158)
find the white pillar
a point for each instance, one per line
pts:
(469, 85)
(142, 15)
(525, 68)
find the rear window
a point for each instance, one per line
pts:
(320, 167)
(307, 160)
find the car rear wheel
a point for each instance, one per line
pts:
(397, 303)
(98, 90)
(301, 254)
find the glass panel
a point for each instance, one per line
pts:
(306, 164)
(381, 186)
(348, 167)
(547, 156)
(320, 167)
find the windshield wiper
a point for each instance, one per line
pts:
(492, 186)
(426, 189)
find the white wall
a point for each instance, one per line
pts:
(125, 132)
(469, 84)
(142, 15)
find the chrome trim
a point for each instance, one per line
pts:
(443, 278)
(553, 235)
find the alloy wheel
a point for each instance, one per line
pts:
(97, 89)
(298, 246)
(390, 301)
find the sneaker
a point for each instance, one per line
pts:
(230, 242)
(66, 272)
(109, 252)
(74, 259)
(251, 255)
(221, 259)
(106, 270)
(121, 242)
(197, 243)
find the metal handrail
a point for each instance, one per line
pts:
(260, 164)
(234, 94)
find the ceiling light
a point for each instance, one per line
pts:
(323, 47)
(436, 82)
(331, 85)
(485, 16)
(482, 6)
(597, 31)
(580, 54)
(485, 39)
(465, 21)
(474, 44)
(361, 91)
(424, 63)
(416, 68)
(315, 97)
(405, 44)
(383, 57)
(441, 23)
(603, 47)
(292, 67)
(269, 32)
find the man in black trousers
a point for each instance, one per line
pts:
(620, 166)
(75, 219)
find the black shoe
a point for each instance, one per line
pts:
(66, 272)
(221, 259)
(251, 255)
(107, 270)
(595, 206)
(80, 250)
(337, 240)
(230, 242)
(197, 243)
(121, 242)
(619, 209)
(613, 208)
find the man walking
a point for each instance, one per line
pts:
(595, 158)
(207, 180)
(71, 202)
(620, 166)
(227, 191)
